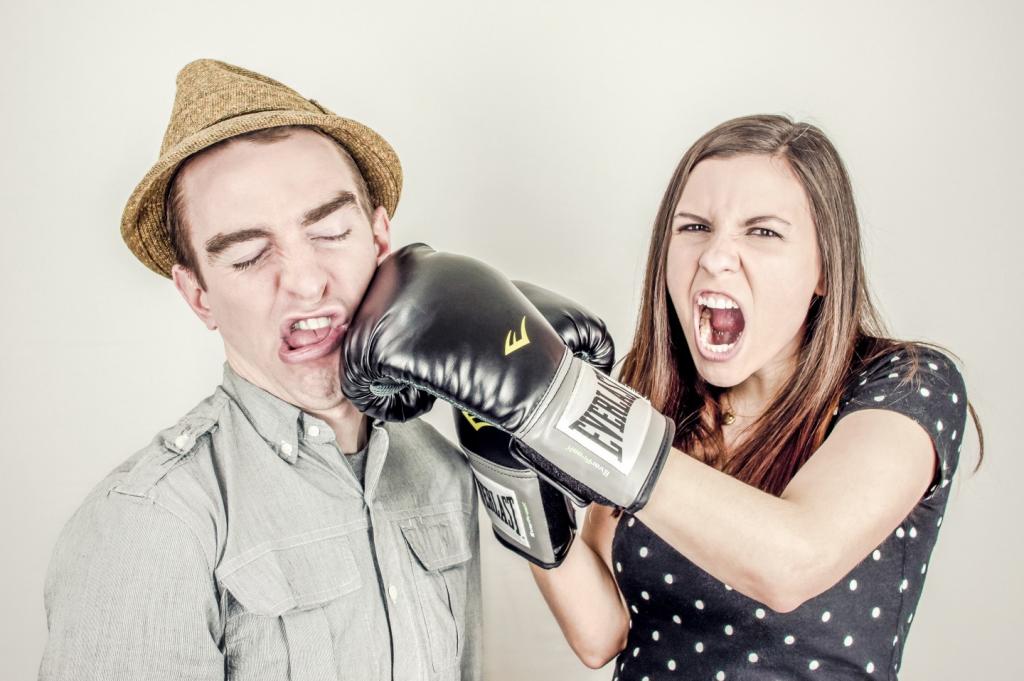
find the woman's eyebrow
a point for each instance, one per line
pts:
(761, 218)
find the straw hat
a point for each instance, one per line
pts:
(214, 101)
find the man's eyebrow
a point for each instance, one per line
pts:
(217, 244)
(340, 200)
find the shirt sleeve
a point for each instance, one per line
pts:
(129, 595)
(925, 385)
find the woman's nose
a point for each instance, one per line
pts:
(720, 254)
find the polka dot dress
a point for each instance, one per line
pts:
(686, 624)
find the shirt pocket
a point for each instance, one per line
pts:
(439, 543)
(290, 609)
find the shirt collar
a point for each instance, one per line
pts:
(280, 423)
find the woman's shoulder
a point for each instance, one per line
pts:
(905, 368)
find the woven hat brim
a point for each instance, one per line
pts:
(142, 223)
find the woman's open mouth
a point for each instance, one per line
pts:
(311, 338)
(719, 326)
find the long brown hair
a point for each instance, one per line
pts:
(844, 331)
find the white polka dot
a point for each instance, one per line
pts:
(699, 647)
(646, 678)
(939, 522)
(933, 366)
(630, 522)
(925, 392)
(894, 375)
(903, 585)
(875, 612)
(911, 618)
(633, 608)
(876, 554)
(671, 665)
(954, 398)
(879, 398)
(727, 587)
(939, 426)
(813, 664)
(669, 579)
(699, 604)
(953, 436)
(826, 616)
(720, 676)
(644, 595)
(900, 532)
(848, 641)
(677, 619)
(869, 667)
(863, 381)
(945, 482)
(894, 358)
(636, 651)
(759, 613)
(789, 640)
(728, 629)
(752, 657)
(655, 635)
(643, 551)
(853, 585)
(913, 532)
(924, 567)
(618, 566)
(895, 639)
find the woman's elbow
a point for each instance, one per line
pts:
(804, 573)
(596, 656)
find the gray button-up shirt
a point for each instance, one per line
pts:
(240, 545)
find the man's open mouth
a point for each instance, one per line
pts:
(311, 338)
(719, 324)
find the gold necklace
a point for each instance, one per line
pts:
(728, 415)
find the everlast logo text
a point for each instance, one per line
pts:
(502, 506)
(604, 421)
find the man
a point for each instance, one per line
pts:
(273, 532)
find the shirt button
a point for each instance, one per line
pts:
(393, 592)
(313, 431)
(286, 447)
(181, 441)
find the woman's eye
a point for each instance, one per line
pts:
(693, 227)
(764, 231)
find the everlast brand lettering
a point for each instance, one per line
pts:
(604, 421)
(502, 507)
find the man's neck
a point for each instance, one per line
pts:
(351, 428)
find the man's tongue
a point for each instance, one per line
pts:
(301, 338)
(726, 325)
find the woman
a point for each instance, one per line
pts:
(789, 533)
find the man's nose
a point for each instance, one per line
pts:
(302, 274)
(720, 254)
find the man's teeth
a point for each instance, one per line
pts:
(311, 324)
(717, 302)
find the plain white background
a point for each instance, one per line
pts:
(540, 138)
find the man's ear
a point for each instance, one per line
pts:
(381, 227)
(194, 295)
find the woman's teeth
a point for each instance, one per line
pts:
(311, 324)
(706, 334)
(717, 302)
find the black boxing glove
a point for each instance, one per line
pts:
(528, 515)
(455, 327)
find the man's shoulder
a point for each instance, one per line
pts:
(187, 440)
